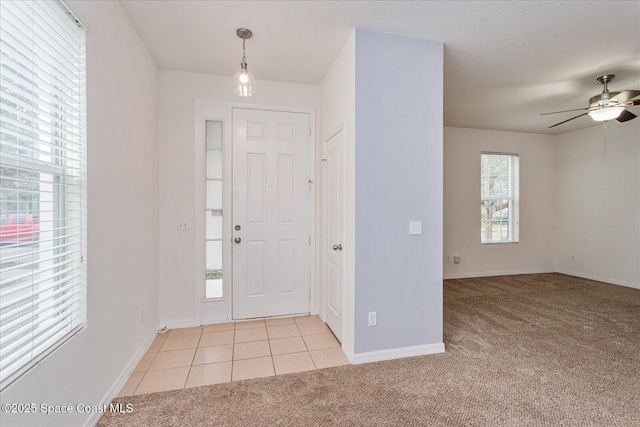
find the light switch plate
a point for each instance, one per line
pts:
(415, 227)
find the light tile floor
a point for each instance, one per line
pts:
(193, 357)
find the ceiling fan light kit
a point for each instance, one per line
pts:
(243, 81)
(606, 113)
(607, 105)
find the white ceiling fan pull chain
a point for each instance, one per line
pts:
(605, 126)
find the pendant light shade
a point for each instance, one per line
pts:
(243, 81)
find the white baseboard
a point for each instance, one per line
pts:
(123, 377)
(599, 278)
(348, 353)
(396, 353)
(543, 270)
(499, 273)
(176, 324)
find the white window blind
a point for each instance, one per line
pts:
(499, 201)
(42, 182)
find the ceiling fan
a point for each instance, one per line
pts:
(607, 105)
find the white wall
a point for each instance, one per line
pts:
(536, 250)
(579, 203)
(598, 203)
(338, 108)
(122, 253)
(177, 93)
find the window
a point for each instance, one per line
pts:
(213, 206)
(42, 148)
(499, 205)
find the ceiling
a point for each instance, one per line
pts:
(505, 62)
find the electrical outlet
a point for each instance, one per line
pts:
(372, 318)
(141, 314)
(415, 227)
(183, 225)
(449, 259)
(573, 257)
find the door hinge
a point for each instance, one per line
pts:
(309, 239)
(309, 294)
(309, 130)
(324, 163)
(310, 182)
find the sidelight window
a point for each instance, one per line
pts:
(213, 208)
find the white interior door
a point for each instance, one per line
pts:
(271, 213)
(335, 232)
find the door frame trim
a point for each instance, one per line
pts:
(224, 312)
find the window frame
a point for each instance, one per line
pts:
(55, 133)
(512, 198)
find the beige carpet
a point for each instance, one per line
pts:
(530, 350)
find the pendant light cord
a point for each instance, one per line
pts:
(244, 58)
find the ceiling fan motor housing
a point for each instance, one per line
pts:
(604, 100)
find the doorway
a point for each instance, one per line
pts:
(271, 213)
(333, 244)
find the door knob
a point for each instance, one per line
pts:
(237, 240)
(337, 247)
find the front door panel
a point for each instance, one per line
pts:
(271, 208)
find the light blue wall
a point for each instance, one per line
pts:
(399, 161)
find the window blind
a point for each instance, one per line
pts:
(42, 182)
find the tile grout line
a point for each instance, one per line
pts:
(273, 363)
(308, 351)
(201, 333)
(144, 374)
(193, 358)
(233, 351)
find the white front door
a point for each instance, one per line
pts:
(271, 213)
(335, 232)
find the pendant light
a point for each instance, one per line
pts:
(243, 81)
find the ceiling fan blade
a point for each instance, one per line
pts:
(558, 124)
(626, 95)
(564, 111)
(626, 115)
